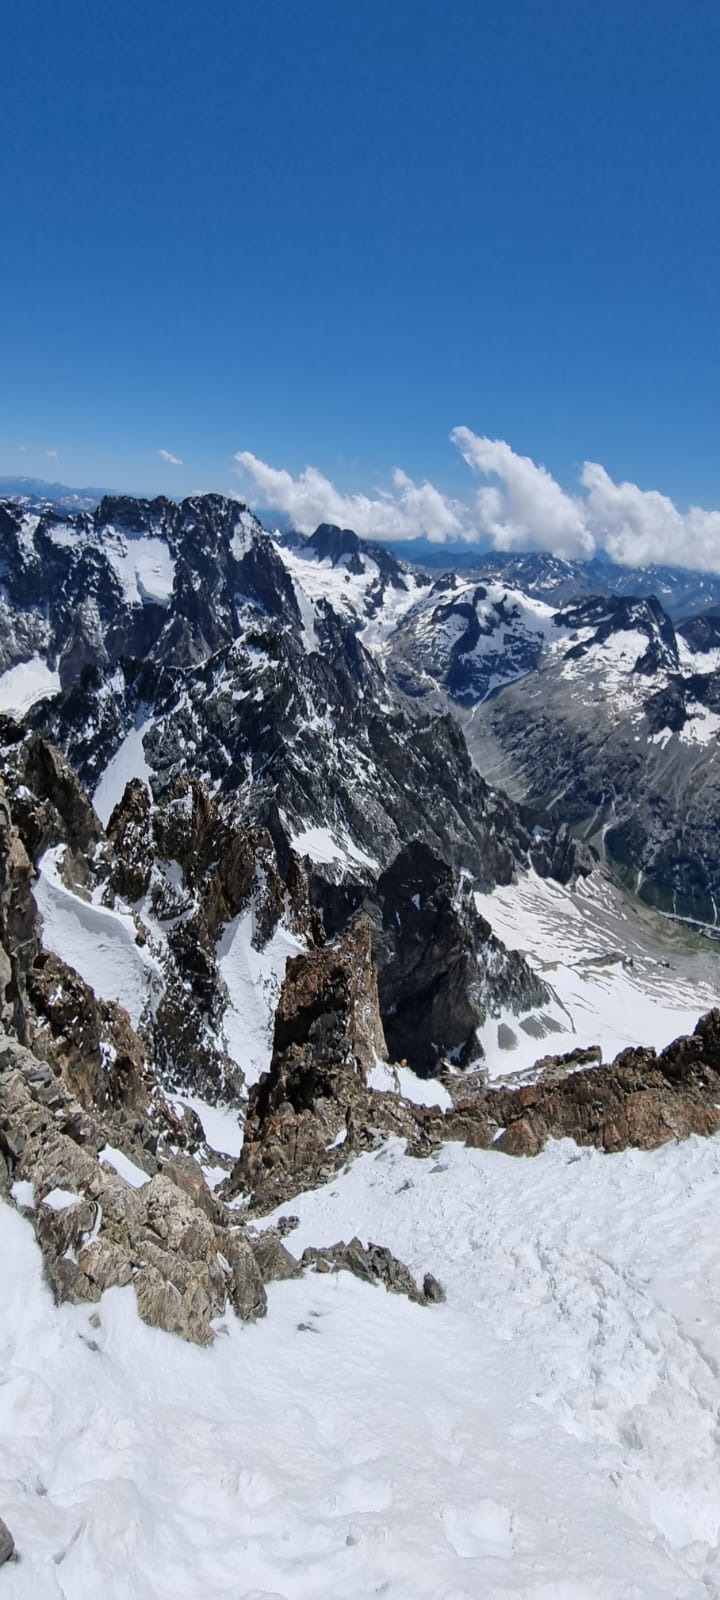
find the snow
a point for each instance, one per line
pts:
(26, 535)
(23, 1193)
(702, 725)
(100, 944)
(254, 980)
(615, 982)
(23, 685)
(124, 1167)
(351, 594)
(547, 1434)
(307, 616)
(323, 845)
(608, 666)
(220, 1124)
(128, 762)
(144, 566)
(60, 1200)
(244, 533)
(401, 1080)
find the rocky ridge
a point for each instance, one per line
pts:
(98, 1157)
(314, 1110)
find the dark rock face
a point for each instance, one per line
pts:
(48, 801)
(440, 966)
(18, 926)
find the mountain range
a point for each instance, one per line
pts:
(331, 882)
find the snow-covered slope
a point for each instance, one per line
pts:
(99, 943)
(618, 976)
(548, 1434)
(363, 583)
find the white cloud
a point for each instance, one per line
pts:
(522, 508)
(53, 454)
(529, 510)
(173, 461)
(409, 510)
(641, 526)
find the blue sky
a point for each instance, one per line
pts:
(330, 233)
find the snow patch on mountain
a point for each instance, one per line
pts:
(144, 566)
(254, 978)
(702, 725)
(355, 587)
(100, 944)
(129, 761)
(401, 1080)
(23, 685)
(220, 1124)
(615, 982)
(326, 846)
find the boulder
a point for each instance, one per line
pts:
(374, 1263)
(7, 1543)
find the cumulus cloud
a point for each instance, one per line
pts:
(409, 510)
(529, 510)
(640, 526)
(173, 461)
(520, 506)
(53, 454)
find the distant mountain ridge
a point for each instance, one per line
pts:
(319, 677)
(39, 491)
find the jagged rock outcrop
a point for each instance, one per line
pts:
(184, 868)
(307, 1121)
(374, 1263)
(441, 969)
(49, 803)
(328, 1034)
(641, 1100)
(18, 925)
(87, 1089)
(97, 1231)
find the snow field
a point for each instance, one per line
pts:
(549, 1433)
(254, 979)
(96, 942)
(144, 566)
(129, 761)
(613, 985)
(21, 686)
